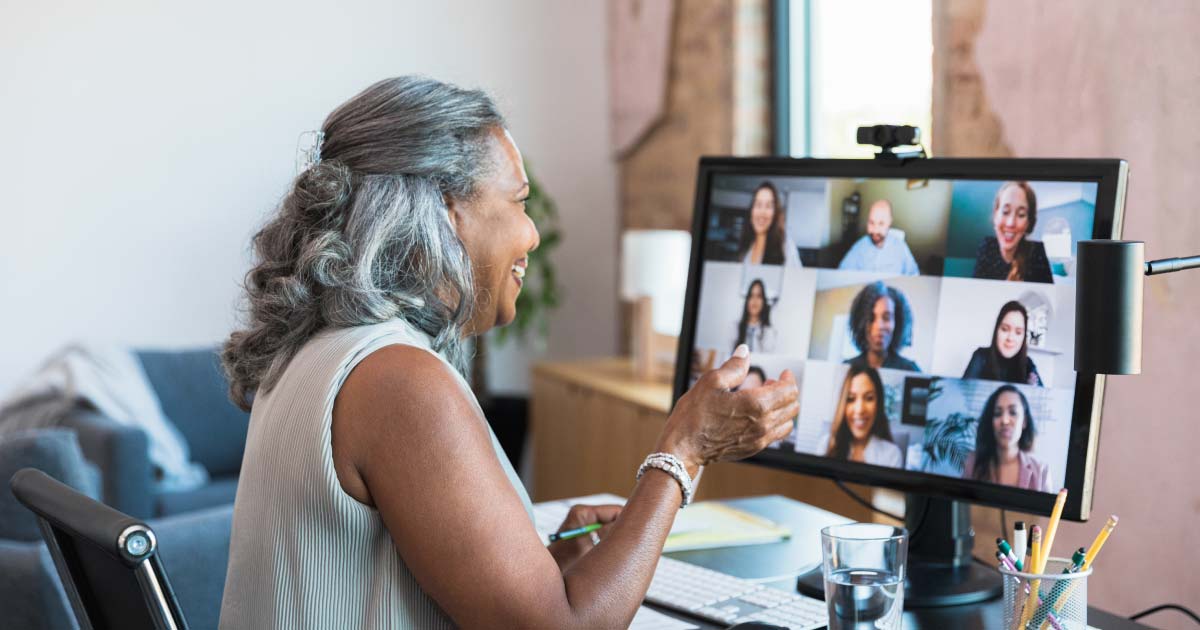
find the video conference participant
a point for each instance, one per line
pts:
(860, 431)
(1003, 441)
(881, 324)
(754, 328)
(764, 241)
(407, 238)
(879, 249)
(1009, 255)
(1007, 359)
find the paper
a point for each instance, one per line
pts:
(703, 525)
(650, 619)
(709, 524)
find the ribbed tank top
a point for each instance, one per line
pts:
(303, 553)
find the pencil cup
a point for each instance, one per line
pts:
(1051, 601)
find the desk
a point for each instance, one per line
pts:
(778, 564)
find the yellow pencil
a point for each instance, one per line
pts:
(1051, 529)
(1099, 542)
(1035, 554)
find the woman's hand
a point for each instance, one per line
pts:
(710, 423)
(566, 552)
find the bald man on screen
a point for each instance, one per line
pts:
(879, 249)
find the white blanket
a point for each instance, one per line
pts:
(111, 380)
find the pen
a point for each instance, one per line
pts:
(575, 533)
(1019, 540)
(1008, 564)
(1061, 591)
(1008, 552)
(1051, 529)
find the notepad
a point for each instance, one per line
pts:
(703, 525)
(708, 524)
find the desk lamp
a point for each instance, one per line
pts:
(654, 271)
(1108, 301)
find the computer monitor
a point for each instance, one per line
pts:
(927, 309)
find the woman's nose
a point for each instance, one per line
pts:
(536, 239)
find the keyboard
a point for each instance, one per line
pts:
(728, 600)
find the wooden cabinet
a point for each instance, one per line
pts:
(593, 423)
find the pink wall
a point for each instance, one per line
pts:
(1109, 78)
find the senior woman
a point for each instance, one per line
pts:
(372, 492)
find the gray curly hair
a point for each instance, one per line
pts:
(364, 236)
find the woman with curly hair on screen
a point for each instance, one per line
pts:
(880, 325)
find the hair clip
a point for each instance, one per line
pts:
(308, 150)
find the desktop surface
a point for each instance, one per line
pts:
(778, 564)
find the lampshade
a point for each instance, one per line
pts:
(654, 264)
(1108, 307)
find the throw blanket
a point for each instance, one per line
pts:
(111, 380)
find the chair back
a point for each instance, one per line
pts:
(107, 560)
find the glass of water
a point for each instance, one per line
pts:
(863, 565)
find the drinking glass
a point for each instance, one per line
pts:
(863, 565)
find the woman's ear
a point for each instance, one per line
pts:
(454, 211)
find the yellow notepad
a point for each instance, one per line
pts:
(708, 524)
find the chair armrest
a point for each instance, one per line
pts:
(122, 455)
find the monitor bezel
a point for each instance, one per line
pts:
(1110, 176)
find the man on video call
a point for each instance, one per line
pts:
(880, 250)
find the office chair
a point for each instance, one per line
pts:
(107, 560)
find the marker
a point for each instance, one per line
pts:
(1008, 552)
(1099, 542)
(575, 533)
(1051, 530)
(1019, 540)
(1077, 559)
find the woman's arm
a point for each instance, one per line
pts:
(409, 440)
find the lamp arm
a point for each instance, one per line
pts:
(1167, 265)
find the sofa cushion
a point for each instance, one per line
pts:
(194, 549)
(31, 595)
(219, 491)
(193, 392)
(55, 452)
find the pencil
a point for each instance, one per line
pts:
(1094, 550)
(1051, 529)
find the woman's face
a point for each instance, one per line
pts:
(762, 213)
(860, 402)
(1008, 420)
(1011, 218)
(497, 234)
(1010, 336)
(883, 324)
(754, 301)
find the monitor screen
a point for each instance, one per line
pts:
(929, 319)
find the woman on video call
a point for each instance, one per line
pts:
(1007, 359)
(880, 325)
(754, 328)
(373, 493)
(860, 431)
(764, 241)
(1003, 441)
(1009, 254)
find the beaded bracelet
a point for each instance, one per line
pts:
(671, 465)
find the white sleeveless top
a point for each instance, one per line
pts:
(303, 553)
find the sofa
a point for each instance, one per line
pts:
(192, 391)
(194, 547)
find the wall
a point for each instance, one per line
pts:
(1104, 78)
(145, 142)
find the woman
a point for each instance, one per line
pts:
(1007, 359)
(880, 325)
(1009, 255)
(764, 241)
(754, 328)
(372, 493)
(1003, 440)
(860, 431)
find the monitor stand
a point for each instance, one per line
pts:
(940, 569)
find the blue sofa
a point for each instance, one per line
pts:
(192, 390)
(194, 547)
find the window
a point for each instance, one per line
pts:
(846, 63)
